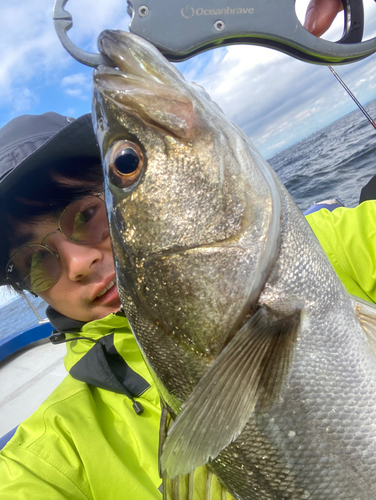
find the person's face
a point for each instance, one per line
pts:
(86, 289)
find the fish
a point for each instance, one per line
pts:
(265, 365)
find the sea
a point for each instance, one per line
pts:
(337, 161)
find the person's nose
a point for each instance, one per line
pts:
(78, 261)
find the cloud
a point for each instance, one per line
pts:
(24, 100)
(278, 100)
(70, 112)
(31, 53)
(30, 49)
(275, 99)
(77, 85)
(76, 79)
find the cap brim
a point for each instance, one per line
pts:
(74, 141)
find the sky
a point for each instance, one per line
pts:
(274, 98)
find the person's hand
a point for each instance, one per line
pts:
(320, 15)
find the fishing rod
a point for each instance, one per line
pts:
(353, 97)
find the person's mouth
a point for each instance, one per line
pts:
(110, 285)
(107, 294)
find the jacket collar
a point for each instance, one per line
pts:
(61, 323)
(92, 356)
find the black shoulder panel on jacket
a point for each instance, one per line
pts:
(102, 366)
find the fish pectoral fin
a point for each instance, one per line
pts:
(200, 484)
(251, 369)
(366, 313)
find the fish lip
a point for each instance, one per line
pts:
(107, 70)
(103, 286)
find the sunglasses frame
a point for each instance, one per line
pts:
(22, 285)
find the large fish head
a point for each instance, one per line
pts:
(193, 218)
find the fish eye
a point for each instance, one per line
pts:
(125, 162)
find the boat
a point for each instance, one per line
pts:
(330, 204)
(30, 369)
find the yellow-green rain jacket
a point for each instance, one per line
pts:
(348, 237)
(86, 440)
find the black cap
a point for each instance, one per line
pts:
(30, 142)
(33, 142)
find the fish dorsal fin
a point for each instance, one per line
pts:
(200, 484)
(366, 313)
(251, 369)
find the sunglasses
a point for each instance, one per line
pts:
(36, 267)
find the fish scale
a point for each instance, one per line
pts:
(264, 362)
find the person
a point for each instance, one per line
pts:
(97, 435)
(368, 191)
(320, 15)
(348, 237)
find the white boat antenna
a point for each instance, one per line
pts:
(40, 320)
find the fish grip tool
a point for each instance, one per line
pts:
(181, 30)
(63, 22)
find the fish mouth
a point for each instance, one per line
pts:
(143, 84)
(129, 59)
(132, 54)
(155, 104)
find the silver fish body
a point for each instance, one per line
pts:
(255, 345)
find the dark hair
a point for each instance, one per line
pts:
(45, 192)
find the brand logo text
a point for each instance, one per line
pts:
(189, 12)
